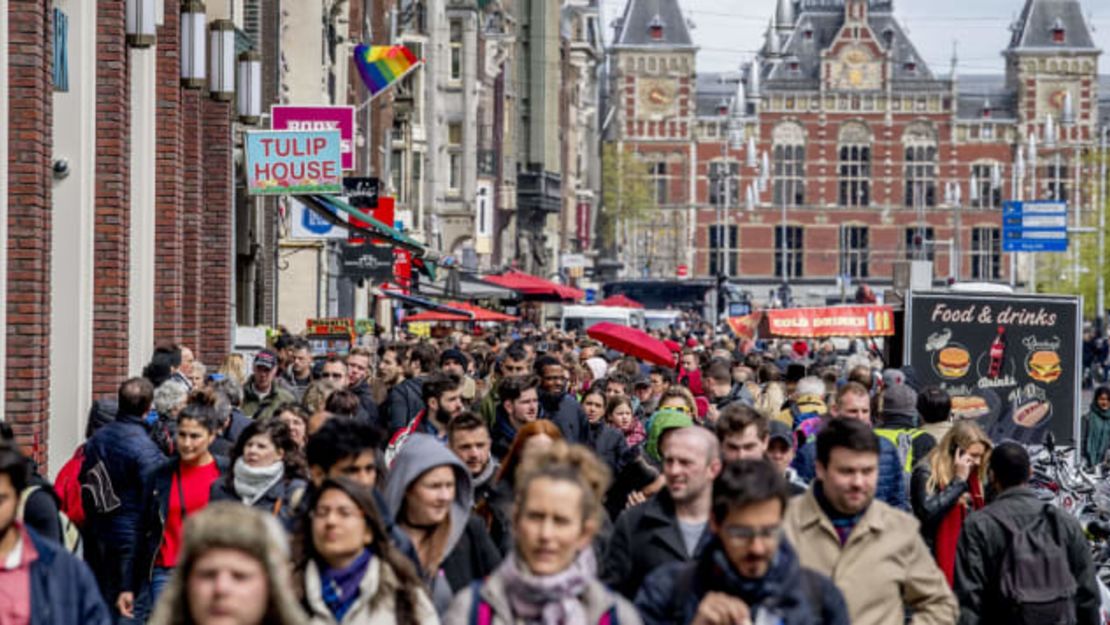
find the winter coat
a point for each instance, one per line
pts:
(609, 445)
(468, 553)
(116, 458)
(884, 568)
(402, 404)
(281, 500)
(63, 590)
(798, 596)
(597, 601)
(930, 508)
(891, 488)
(984, 542)
(375, 602)
(1097, 440)
(157, 485)
(644, 538)
(565, 412)
(257, 407)
(40, 510)
(365, 396)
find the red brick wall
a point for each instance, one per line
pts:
(27, 400)
(191, 208)
(170, 188)
(216, 264)
(113, 220)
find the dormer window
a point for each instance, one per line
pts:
(722, 108)
(794, 67)
(808, 34)
(655, 28)
(1059, 33)
(888, 36)
(910, 67)
(987, 109)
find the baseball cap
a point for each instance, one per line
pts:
(266, 359)
(781, 431)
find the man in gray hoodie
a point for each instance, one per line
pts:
(429, 489)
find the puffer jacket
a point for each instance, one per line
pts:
(795, 595)
(597, 601)
(375, 604)
(891, 488)
(116, 458)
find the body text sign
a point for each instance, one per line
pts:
(341, 118)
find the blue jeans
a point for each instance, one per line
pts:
(158, 580)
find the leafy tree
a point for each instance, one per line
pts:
(627, 194)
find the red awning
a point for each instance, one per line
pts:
(620, 301)
(480, 314)
(534, 286)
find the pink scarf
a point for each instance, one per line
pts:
(635, 433)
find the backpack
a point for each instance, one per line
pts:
(71, 536)
(481, 613)
(902, 439)
(1035, 579)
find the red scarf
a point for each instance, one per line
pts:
(948, 532)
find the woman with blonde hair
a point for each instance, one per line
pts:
(946, 486)
(233, 568)
(234, 366)
(551, 575)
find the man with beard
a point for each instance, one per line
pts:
(442, 396)
(39, 580)
(748, 572)
(556, 404)
(512, 363)
(299, 374)
(873, 552)
(672, 525)
(519, 406)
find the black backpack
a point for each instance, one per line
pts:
(1035, 578)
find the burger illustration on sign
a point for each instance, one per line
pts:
(1044, 366)
(953, 362)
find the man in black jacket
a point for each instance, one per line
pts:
(116, 458)
(671, 526)
(558, 405)
(747, 572)
(358, 382)
(405, 400)
(984, 542)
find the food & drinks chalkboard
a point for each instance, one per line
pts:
(1011, 362)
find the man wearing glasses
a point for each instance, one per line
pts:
(747, 573)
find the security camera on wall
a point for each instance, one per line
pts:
(61, 168)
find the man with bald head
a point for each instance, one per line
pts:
(671, 526)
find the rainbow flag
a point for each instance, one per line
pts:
(381, 66)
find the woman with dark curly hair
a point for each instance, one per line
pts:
(347, 570)
(267, 470)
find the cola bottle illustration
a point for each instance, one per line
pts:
(998, 350)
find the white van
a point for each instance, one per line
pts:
(662, 319)
(581, 318)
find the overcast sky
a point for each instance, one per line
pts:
(730, 31)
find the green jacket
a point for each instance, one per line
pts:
(262, 408)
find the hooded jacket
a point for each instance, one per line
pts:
(797, 596)
(468, 554)
(258, 407)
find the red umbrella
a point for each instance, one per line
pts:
(635, 343)
(672, 345)
(620, 301)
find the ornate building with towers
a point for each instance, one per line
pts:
(837, 151)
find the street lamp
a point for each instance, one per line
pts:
(141, 23)
(193, 48)
(221, 60)
(249, 90)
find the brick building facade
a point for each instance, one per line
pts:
(838, 151)
(117, 185)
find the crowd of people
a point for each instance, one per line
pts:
(534, 476)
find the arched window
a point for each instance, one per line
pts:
(920, 142)
(855, 165)
(789, 153)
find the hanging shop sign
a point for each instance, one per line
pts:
(832, 321)
(1011, 362)
(316, 118)
(367, 262)
(283, 162)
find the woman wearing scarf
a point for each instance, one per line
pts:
(946, 486)
(620, 415)
(1098, 428)
(550, 578)
(267, 470)
(348, 571)
(429, 487)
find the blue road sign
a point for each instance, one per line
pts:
(1040, 226)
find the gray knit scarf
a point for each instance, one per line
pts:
(251, 483)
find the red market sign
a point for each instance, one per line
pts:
(341, 118)
(841, 321)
